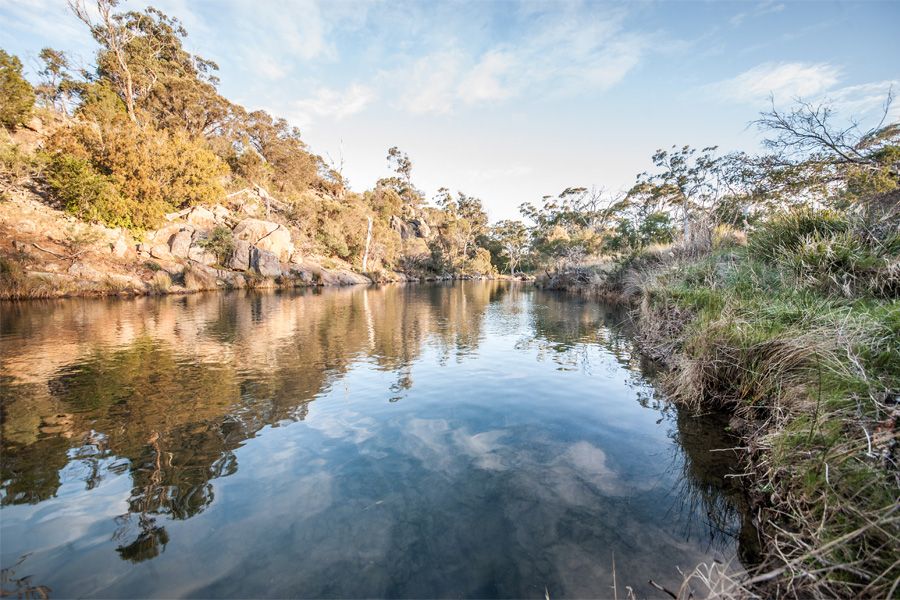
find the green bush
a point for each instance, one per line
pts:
(16, 94)
(15, 165)
(88, 194)
(843, 263)
(220, 242)
(130, 176)
(787, 231)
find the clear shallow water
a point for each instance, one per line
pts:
(469, 440)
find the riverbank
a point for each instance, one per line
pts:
(45, 253)
(807, 363)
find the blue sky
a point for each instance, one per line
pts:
(512, 101)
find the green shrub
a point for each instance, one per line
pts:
(11, 274)
(128, 175)
(838, 262)
(480, 264)
(726, 236)
(787, 231)
(220, 242)
(161, 282)
(16, 94)
(15, 166)
(86, 193)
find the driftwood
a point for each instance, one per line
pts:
(72, 256)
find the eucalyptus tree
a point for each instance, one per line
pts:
(140, 52)
(59, 81)
(513, 239)
(815, 151)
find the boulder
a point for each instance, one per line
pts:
(160, 251)
(180, 243)
(200, 277)
(240, 258)
(178, 214)
(164, 234)
(405, 230)
(201, 217)
(266, 235)
(233, 280)
(202, 255)
(421, 228)
(83, 271)
(222, 214)
(119, 247)
(264, 262)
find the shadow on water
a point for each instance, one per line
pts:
(169, 395)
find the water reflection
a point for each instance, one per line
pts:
(483, 439)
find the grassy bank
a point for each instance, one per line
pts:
(796, 332)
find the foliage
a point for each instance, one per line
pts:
(58, 83)
(655, 228)
(512, 241)
(87, 194)
(129, 175)
(16, 166)
(16, 94)
(810, 368)
(811, 150)
(140, 52)
(220, 242)
(785, 232)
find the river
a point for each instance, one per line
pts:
(479, 439)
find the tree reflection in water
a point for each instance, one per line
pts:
(168, 390)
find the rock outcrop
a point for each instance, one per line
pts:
(264, 262)
(411, 229)
(175, 258)
(180, 243)
(266, 235)
(240, 258)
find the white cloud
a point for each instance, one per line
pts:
(45, 19)
(331, 103)
(764, 8)
(488, 80)
(866, 99)
(559, 52)
(265, 65)
(784, 80)
(430, 84)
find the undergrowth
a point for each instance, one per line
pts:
(798, 335)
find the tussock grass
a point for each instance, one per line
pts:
(18, 284)
(814, 377)
(161, 282)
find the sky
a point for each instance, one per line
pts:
(509, 101)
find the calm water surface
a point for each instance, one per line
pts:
(467, 440)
